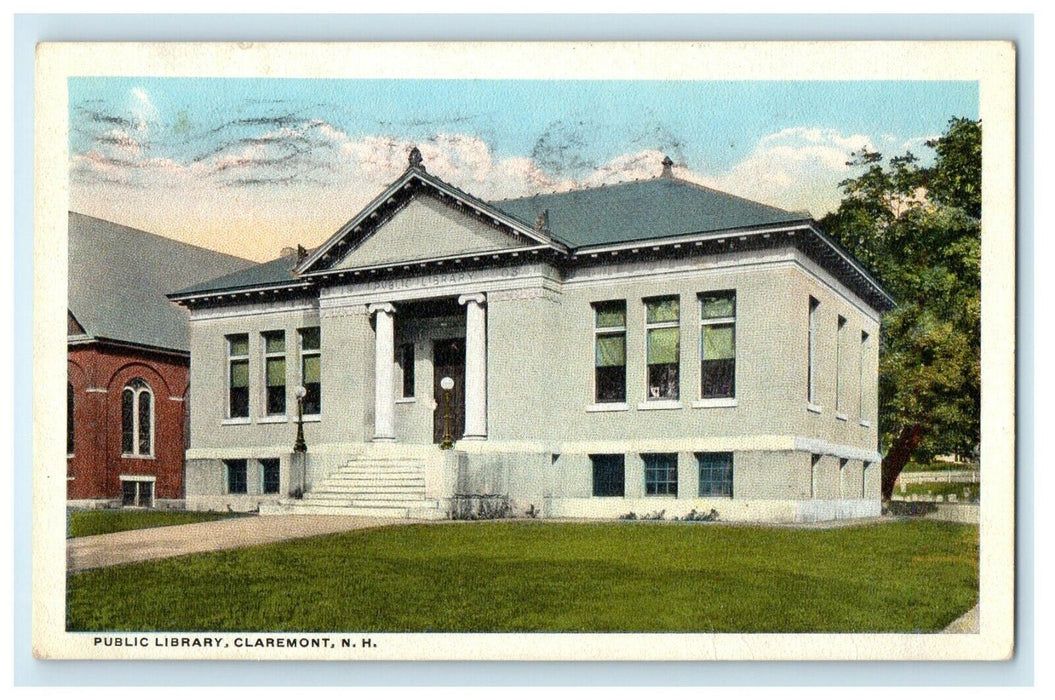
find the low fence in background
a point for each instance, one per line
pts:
(941, 477)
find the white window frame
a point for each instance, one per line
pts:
(262, 469)
(723, 401)
(231, 359)
(310, 353)
(661, 401)
(811, 365)
(840, 331)
(267, 356)
(815, 461)
(598, 332)
(137, 392)
(139, 479)
(862, 365)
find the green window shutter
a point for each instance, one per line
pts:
(311, 369)
(611, 351)
(718, 305)
(719, 343)
(611, 315)
(663, 346)
(309, 338)
(239, 345)
(274, 342)
(276, 372)
(661, 310)
(239, 374)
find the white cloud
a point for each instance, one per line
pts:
(312, 176)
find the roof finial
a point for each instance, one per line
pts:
(542, 221)
(668, 166)
(415, 158)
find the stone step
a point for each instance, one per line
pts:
(380, 489)
(377, 476)
(380, 497)
(366, 503)
(311, 509)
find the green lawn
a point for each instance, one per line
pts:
(534, 576)
(100, 522)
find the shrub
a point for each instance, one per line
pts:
(480, 507)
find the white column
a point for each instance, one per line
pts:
(384, 358)
(475, 366)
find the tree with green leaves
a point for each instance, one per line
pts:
(919, 230)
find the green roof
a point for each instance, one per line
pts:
(277, 271)
(642, 210)
(119, 276)
(633, 211)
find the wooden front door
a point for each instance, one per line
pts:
(448, 360)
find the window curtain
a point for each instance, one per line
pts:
(611, 351)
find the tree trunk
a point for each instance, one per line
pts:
(907, 442)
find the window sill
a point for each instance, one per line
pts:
(840, 416)
(813, 408)
(407, 399)
(312, 418)
(273, 419)
(661, 405)
(235, 421)
(866, 424)
(69, 456)
(149, 457)
(714, 403)
(607, 407)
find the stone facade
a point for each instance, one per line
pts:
(794, 435)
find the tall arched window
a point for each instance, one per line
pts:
(137, 419)
(69, 418)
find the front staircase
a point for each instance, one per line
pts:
(373, 486)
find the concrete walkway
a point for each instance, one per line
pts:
(98, 551)
(964, 624)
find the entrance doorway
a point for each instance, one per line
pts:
(448, 360)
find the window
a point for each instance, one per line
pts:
(716, 473)
(862, 362)
(811, 372)
(864, 479)
(661, 474)
(137, 419)
(718, 345)
(238, 376)
(269, 472)
(608, 475)
(236, 475)
(406, 364)
(815, 461)
(610, 352)
(69, 418)
(275, 373)
(310, 370)
(662, 339)
(137, 493)
(839, 331)
(842, 472)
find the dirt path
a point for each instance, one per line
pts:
(98, 551)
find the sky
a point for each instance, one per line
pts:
(249, 166)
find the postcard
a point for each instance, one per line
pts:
(511, 351)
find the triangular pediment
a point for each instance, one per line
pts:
(426, 228)
(422, 218)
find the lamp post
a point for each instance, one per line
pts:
(300, 445)
(300, 448)
(448, 440)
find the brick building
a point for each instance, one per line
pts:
(127, 362)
